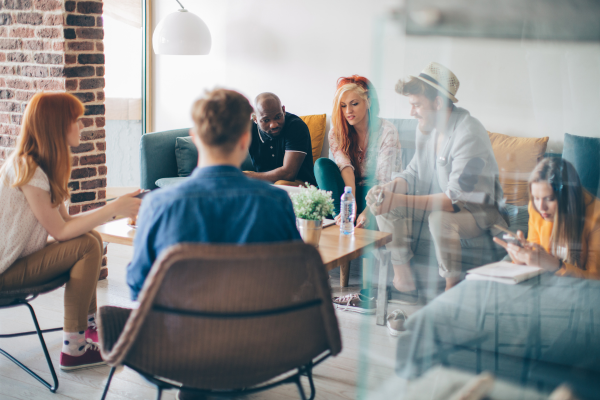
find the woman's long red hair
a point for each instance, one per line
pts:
(43, 142)
(344, 132)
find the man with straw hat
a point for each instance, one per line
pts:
(451, 182)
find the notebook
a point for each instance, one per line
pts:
(503, 272)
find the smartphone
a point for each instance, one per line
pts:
(142, 194)
(509, 236)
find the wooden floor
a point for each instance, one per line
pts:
(364, 369)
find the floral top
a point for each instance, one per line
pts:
(380, 162)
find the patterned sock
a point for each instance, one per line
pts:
(92, 320)
(73, 343)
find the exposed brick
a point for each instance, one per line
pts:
(58, 46)
(16, 119)
(2, 57)
(100, 122)
(95, 83)
(53, 19)
(10, 44)
(70, 33)
(7, 70)
(22, 32)
(80, 46)
(57, 71)
(48, 58)
(85, 97)
(5, 19)
(76, 72)
(6, 94)
(102, 170)
(81, 173)
(9, 106)
(83, 197)
(89, 7)
(95, 110)
(102, 195)
(100, 96)
(70, 6)
(35, 72)
(80, 20)
(71, 84)
(99, 21)
(93, 184)
(24, 96)
(93, 160)
(74, 161)
(101, 146)
(87, 122)
(17, 4)
(70, 59)
(91, 135)
(48, 5)
(31, 18)
(82, 148)
(73, 210)
(90, 33)
(49, 33)
(33, 45)
(4, 119)
(99, 46)
(99, 71)
(3, 32)
(93, 206)
(18, 57)
(73, 186)
(91, 58)
(51, 84)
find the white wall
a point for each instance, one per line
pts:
(298, 49)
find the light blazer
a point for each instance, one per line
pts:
(466, 139)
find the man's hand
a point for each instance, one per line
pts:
(381, 201)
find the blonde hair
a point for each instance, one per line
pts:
(43, 143)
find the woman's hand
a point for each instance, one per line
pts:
(128, 205)
(531, 254)
(363, 219)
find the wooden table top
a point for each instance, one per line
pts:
(335, 248)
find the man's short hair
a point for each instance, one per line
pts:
(414, 86)
(221, 117)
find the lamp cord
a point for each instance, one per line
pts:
(180, 4)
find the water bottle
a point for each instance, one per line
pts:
(347, 211)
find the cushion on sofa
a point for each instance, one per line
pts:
(583, 153)
(516, 158)
(186, 155)
(164, 182)
(316, 127)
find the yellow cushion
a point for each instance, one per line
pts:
(316, 127)
(516, 158)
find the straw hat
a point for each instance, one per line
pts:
(441, 78)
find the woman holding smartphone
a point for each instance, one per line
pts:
(564, 224)
(33, 191)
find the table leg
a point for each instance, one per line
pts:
(382, 303)
(344, 274)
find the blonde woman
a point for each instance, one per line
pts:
(564, 223)
(33, 191)
(366, 148)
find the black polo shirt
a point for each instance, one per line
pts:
(267, 151)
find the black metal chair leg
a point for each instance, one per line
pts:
(313, 391)
(300, 389)
(158, 393)
(50, 387)
(110, 376)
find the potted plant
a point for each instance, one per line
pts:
(311, 205)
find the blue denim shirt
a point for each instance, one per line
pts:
(216, 205)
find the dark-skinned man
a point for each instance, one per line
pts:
(281, 148)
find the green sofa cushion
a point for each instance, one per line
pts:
(186, 155)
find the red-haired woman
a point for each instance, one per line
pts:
(33, 191)
(366, 148)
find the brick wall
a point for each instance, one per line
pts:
(55, 45)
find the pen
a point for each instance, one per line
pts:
(380, 197)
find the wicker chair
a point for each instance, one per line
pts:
(22, 297)
(226, 320)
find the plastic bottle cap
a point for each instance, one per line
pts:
(347, 189)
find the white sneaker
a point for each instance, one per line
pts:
(395, 322)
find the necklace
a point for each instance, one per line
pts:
(362, 152)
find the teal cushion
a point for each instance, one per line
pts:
(186, 155)
(583, 152)
(164, 182)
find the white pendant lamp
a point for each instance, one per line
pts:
(181, 33)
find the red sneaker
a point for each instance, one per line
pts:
(92, 333)
(91, 358)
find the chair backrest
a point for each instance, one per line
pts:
(316, 127)
(226, 316)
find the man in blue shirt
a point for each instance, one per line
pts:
(218, 204)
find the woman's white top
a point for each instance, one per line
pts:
(21, 234)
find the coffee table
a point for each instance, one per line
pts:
(335, 249)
